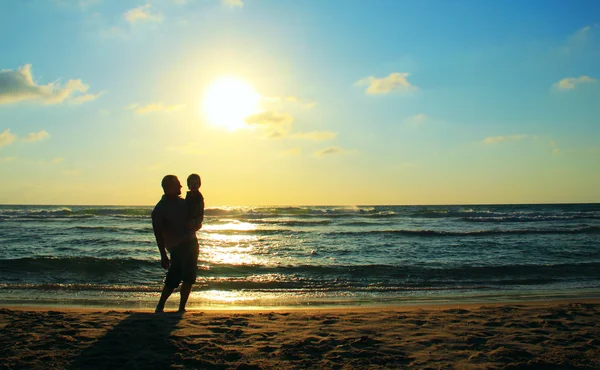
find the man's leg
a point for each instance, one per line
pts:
(166, 293)
(189, 273)
(185, 290)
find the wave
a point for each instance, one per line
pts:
(531, 218)
(136, 230)
(441, 233)
(91, 265)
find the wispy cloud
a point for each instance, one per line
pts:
(581, 39)
(279, 124)
(53, 161)
(554, 147)
(18, 85)
(155, 107)
(143, 13)
(500, 139)
(233, 3)
(81, 4)
(315, 135)
(294, 152)
(6, 138)
(393, 82)
(290, 99)
(570, 83)
(37, 136)
(330, 151)
(7, 159)
(416, 120)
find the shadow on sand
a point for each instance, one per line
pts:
(140, 341)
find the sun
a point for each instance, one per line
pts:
(228, 101)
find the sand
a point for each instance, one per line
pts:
(534, 335)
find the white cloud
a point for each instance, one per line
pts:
(156, 107)
(143, 13)
(330, 151)
(315, 135)
(6, 138)
(19, 85)
(393, 82)
(233, 3)
(57, 160)
(570, 83)
(279, 124)
(500, 139)
(37, 136)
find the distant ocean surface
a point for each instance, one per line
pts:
(303, 256)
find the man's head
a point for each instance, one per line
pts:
(171, 186)
(194, 182)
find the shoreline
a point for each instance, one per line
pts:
(528, 335)
(172, 307)
(239, 303)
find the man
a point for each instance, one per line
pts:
(172, 235)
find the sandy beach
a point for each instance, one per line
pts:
(531, 335)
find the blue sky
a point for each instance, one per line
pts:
(361, 102)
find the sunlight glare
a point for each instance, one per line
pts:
(228, 101)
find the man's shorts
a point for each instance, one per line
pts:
(184, 264)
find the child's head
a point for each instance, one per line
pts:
(194, 182)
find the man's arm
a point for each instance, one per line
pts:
(157, 226)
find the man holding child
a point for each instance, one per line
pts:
(175, 222)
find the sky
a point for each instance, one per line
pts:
(311, 102)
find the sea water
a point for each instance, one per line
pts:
(305, 256)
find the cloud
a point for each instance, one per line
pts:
(291, 152)
(19, 85)
(156, 107)
(37, 136)
(82, 4)
(7, 159)
(570, 83)
(6, 138)
(554, 147)
(580, 39)
(330, 151)
(416, 120)
(315, 135)
(143, 13)
(233, 3)
(290, 99)
(53, 161)
(393, 82)
(279, 124)
(500, 139)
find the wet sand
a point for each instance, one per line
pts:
(530, 335)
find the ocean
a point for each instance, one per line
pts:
(305, 256)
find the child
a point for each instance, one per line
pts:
(195, 203)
